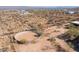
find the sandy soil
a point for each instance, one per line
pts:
(42, 44)
(16, 27)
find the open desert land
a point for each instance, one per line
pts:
(38, 31)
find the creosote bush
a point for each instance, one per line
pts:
(73, 32)
(23, 41)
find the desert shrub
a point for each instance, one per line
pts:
(4, 49)
(35, 28)
(39, 11)
(42, 13)
(37, 24)
(71, 35)
(73, 32)
(22, 41)
(51, 39)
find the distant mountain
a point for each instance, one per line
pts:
(34, 7)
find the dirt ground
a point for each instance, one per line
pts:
(16, 36)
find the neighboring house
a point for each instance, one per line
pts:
(75, 23)
(71, 12)
(22, 12)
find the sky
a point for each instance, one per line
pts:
(39, 2)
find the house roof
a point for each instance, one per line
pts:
(75, 22)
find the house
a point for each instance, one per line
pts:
(76, 23)
(70, 12)
(24, 12)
